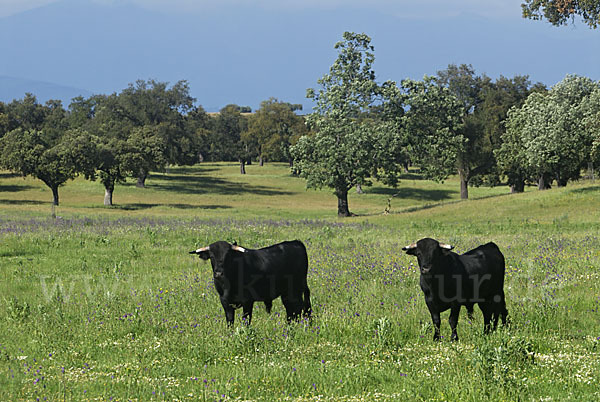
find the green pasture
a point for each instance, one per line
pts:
(106, 304)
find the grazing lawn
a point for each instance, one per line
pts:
(106, 303)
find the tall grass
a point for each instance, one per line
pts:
(105, 303)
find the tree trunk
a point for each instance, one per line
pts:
(543, 182)
(359, 189)
(108, 195)
(342, 196)
(591, 171)
(561, 182)
(242, 166)
(261, 162)
(517, 187)
(141, 179)
(54, 195)
(291, 163)
(464, 184)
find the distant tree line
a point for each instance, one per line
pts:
(488, 132)
(144, 128)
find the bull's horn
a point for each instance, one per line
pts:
(200, 250)
(446, 246)
(238, 248)
(409, 247)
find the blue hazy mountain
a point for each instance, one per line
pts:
(246, 54)
(15, 88)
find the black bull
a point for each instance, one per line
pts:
(244, 276)
(449, 281)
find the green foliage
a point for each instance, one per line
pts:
(53, 161)
(432, 123)
(228, 127)
(149, 117)
(545, 138)
(498, 98)
(272, 129)
(342, 152)
(560, 12)
(474, 157)
(590, 111)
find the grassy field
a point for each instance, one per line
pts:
(106, 304)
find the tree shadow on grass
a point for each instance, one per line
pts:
(140, 206)
(191, 170)
(22, 202)
(429, 205)
(13, 188)
(190, 184)
(591, 189)
(413, 193)
(412, 176)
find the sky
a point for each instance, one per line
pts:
(243, 51)
(418, 8)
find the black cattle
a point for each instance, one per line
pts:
(450, 281)
(244, 276)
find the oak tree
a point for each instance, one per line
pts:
(342, 152)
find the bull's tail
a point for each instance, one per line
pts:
(307, 306)
(500, 311)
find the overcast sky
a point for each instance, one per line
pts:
(246, 51)
(406, 8)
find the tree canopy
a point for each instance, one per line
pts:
(273, 129)
(341, 153)
(550, 137)
(561, 12)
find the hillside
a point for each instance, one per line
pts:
(218, 190)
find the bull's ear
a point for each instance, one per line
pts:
(410, 249)
(202, 253)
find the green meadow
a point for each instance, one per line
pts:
(105, 303)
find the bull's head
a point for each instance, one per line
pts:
(429, 253)
(220, 254)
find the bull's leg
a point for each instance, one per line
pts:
(487, 309)
(503, 311)
(504, 315)
(293, 307)
(307, 305)
(268, 306)
(469, 307)
(435, 318)
(229, 312)
(247, 315)
(500, 309)
(497, 311)
(453, 320)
